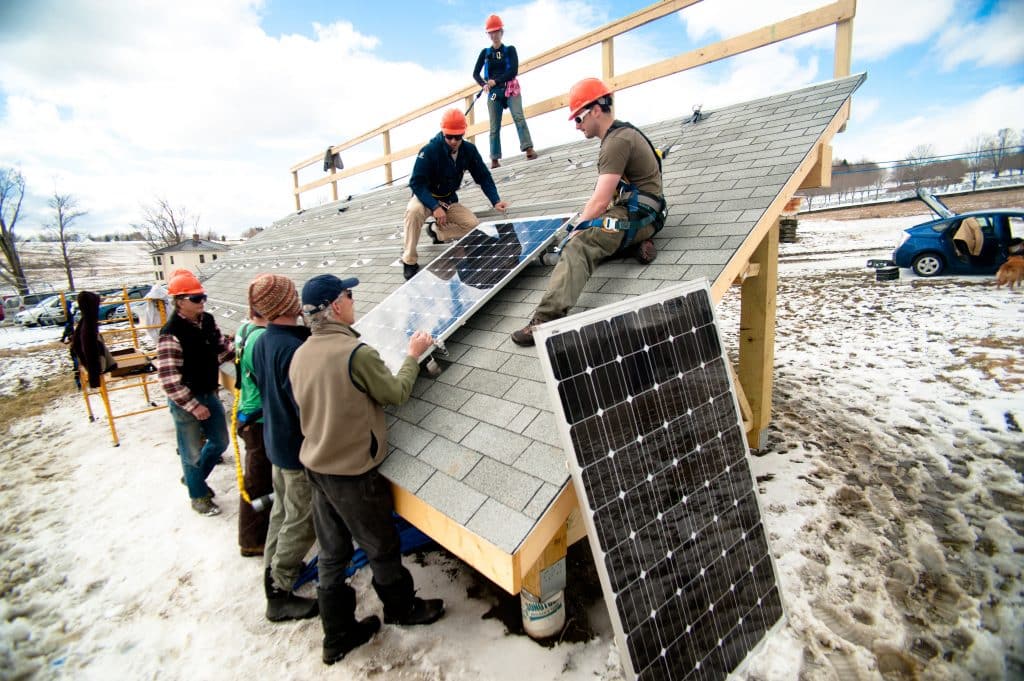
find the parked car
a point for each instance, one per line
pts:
(50, 307)
(121, 312)
(113, 299)
(56, 314)
(13, 304)
(943, 246)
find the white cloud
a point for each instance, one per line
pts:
(886, 141)
(995, 41)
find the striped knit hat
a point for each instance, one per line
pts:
(273, 296)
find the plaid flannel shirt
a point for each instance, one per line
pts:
(169, 359)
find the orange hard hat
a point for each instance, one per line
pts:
(453, 122)
(584, 92)
(494, 23)
(183, 283)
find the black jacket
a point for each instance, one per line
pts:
(200, 349)
(435, 176)
(271, 359)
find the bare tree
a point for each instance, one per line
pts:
(65, 211)
(999, 148)
(976, 159)
(251, 232)
(12, 191)
(165, 225)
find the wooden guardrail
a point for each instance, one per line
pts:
(839, 14)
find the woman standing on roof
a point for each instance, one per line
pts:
(500, 65)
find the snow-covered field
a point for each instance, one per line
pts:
(102, 264)
(891, 484)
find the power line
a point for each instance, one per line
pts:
(926, 160)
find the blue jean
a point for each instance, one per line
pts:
(197, 460)
(495, 107)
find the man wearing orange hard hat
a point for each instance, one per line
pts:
(189, 353)
(625, 210)
(436, 176)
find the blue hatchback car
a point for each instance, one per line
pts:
(977, 242)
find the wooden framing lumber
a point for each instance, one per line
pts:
(757, 335)
(821, 174)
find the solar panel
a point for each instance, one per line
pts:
(458, 282)
(658, 458)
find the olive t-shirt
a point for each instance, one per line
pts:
(625, 152)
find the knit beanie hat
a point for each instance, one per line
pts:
(273, 296)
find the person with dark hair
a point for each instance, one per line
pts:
(625, 210)
(188, 356)
(87, 348)
(496, 72)
(340, 386)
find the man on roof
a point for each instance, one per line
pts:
(436, 176)
(625, 210)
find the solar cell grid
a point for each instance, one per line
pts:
(455, 284)
(658, 456)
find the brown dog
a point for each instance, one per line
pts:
(1011, 272)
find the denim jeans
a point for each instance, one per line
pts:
(515, 107)
(197, 460)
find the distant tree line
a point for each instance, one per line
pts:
(999, 155)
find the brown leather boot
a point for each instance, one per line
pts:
(524, 336)
(531, 154)
(495, 163)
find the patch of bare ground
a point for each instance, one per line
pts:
(34, 401)
(1011, 197)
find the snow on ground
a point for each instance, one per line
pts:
(102, 264)
(890, 481)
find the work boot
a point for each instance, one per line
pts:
(205, 506)
(495, 163)
(402, 606)
(433, 234)
(524, 336)
(284, 605)
(342, 633)
(645, 252)
(409, 271)
(531, 154)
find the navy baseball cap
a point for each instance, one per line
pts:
(324, 289)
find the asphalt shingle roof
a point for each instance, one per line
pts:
(479, 442)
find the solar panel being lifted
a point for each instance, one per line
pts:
(458, 282)
(659, 462)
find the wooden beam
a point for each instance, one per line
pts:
(820, 174)
(553, 521)
(757, 335)
(741, 397)
(484, 556)
(752, 270)
(387, 152)
(533, 580)
(295, 184)
(843, 57)
(607, 59)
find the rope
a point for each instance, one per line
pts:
(234, 441)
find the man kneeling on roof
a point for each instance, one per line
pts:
(625, 210)
(436, 176)
(340, 386)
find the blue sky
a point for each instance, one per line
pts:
(208, 102)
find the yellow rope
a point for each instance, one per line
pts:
(234, 440)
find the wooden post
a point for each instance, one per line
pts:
(844, 48)
(607, 59)
(387, 152)
(471, 116)
(757, 334)
(542, 602)
(295, 190)
(334, 189)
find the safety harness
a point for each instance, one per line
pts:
(644, 208)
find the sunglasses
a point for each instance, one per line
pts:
(197, 298)
(453, 138)
(347, 293)
(579, 119)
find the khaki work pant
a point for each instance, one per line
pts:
(581, 255)
(460, 221)
(290, 535)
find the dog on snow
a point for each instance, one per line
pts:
(1011, 272)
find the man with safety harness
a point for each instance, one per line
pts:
(436, 176)
(624, 212)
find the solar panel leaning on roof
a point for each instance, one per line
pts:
(659, 461)
(458, 282)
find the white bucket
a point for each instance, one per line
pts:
(542, 619)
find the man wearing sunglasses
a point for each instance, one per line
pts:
(625, 209)
(436, 176)
(189, 352)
